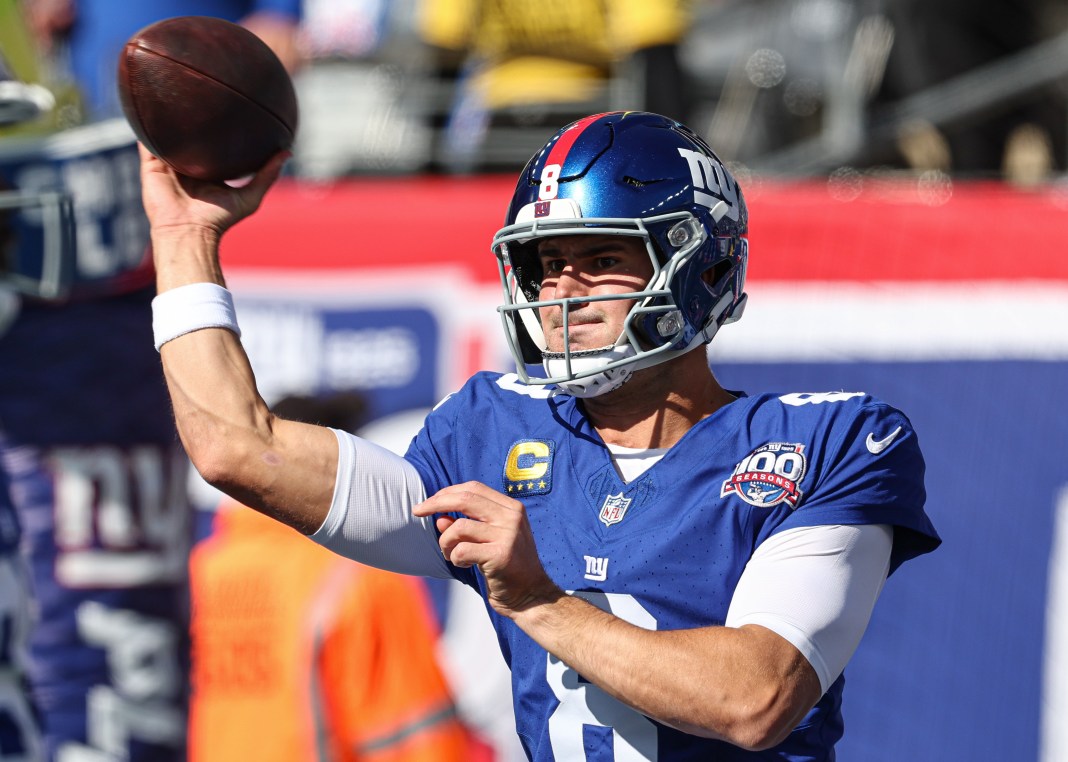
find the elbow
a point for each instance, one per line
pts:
(214, 461)
(758, 724)
(763, 725)
(219, 455)
(213, 464)
(759, 735)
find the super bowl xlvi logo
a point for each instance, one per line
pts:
(709, 175)
(528, 469)
(769, 475)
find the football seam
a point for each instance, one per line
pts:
(207, 76)
(135, 102)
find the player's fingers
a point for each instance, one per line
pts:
(465, 542)
(467, 530)
(474, 500)
(151, 165)
(269, 172)
(146, 156)
(248, 193)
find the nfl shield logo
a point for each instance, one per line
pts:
(614, 509)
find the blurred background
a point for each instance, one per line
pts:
(906, 168)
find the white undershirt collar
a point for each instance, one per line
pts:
(631, 462)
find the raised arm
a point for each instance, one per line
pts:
(281, 468)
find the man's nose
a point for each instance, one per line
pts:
(571, 283)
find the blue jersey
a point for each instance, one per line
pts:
(666, 550)
(98, 479)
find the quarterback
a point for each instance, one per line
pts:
(675, 570)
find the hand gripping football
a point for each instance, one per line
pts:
(206, 96)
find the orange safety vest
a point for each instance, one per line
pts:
(300, 654)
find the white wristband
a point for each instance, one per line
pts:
(191, 308)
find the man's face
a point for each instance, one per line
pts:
(579, 266)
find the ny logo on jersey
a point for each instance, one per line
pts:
(614, 509)
(528, 469)
(596, 568)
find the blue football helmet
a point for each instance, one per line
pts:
(71, 220)
(628, 174)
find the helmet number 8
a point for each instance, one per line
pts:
(550, 186)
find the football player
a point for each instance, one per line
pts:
(87, 443)
(675, 570)
(20, 738)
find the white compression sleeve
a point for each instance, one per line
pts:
(370, 519)
(816, 587)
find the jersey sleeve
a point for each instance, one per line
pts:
(438, 450)
(432, 451)
(815, 587)
(870, 470)
(370, 518)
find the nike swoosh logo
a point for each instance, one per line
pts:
(877, 446)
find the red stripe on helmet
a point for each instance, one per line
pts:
(558, 154)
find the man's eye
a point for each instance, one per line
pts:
(554, 265)
(606, 263)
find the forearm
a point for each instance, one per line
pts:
(746, 686)
(225, 426)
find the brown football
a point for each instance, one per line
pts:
(206, 96)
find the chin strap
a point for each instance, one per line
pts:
(590, 360)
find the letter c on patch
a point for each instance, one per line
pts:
(527, 460)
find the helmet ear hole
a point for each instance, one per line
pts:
(713, 275)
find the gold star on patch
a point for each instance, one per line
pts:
(541, 485)
(530, 485)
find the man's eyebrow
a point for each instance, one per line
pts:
(594, 250)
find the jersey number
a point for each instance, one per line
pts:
(583, 704)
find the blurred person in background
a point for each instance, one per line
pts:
(522, 67)
(1020, 138)
(83, 38)
(20, 732)
(467, 649)
(96, 475)
(299, 654)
